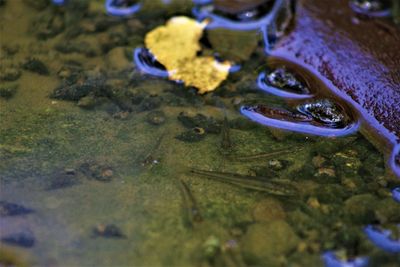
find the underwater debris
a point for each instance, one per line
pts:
(150, 158)
(176, 45)
(267, 155)
(20, 239)
(192, 211)
(12, 209)
(107, 231)
(270, 186)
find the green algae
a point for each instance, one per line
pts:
(340, 183)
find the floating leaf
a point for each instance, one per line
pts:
(176, 46)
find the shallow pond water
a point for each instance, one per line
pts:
(102, 165)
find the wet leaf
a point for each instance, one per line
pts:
(176, 46)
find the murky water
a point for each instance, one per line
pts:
(102, 165)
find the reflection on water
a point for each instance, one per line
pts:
(103, 165)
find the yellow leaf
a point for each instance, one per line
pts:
(176, 46)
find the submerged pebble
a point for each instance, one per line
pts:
(36, 65)
(195, 134)
(156, 117)
(20, 239)
(9, 73)
(8, 90)
(108, 231)
(12, 209)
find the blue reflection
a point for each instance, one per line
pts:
(330, 260)
(382, 239)
(396, 194)
(148, 64)
(395, 160)
(59, 2)
(117, 8)
(298, 126)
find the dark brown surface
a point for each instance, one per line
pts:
(360, 57)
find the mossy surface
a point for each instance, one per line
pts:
(81, 168)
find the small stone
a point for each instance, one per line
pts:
(267, 210)
(12, 209)
(266, 242)
(330, 172)
(37, 66)
(21, 239)
(8, 90)
(193, 135)
(108, 231)
(156, 117)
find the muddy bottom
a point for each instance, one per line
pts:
(102, 165)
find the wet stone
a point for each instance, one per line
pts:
(8, 90)
(116, 59)
(21, 239)
(87, 102)
(35, 65)
(108, 231)
(193, 135)
(325, 112)
(156, 117)
(12, 209)
(286, 80)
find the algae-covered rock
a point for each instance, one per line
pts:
(266, 242)
(233, 45)
(267, 210)
(116, 59)
(361, 208)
